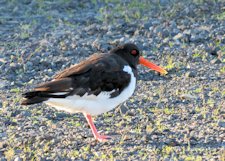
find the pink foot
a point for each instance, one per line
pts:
(102, 138)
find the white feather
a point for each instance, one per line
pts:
(59, 93)
(92, 104)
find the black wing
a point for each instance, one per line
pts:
(103, 72)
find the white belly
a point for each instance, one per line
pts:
(92, 104)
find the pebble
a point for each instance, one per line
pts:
(175, 31)
(165, 33)
(200, 117)
(0, 103)
(191, 74)
(61, 115)
(123, 108)
(172, 142)
(221, 123)
(2, 135)
(3, 144)
(147, 25)
(174, 116)
(178, 36)
(187, 31)
(164, 2)
(25, 113)
(17, 159)
(155, 22)
(188, 96)
(2, 159)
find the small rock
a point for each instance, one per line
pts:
(131, 112)
(197, 38)
(3, 83)
(3, 159)
(26, 113)
(17, 159)
(212, 50)
(193, 112)
(106, 47)
(123, 108)
(155, 22)
(14, 65)
(165, 33)
(174, 116)
(3, 144)
(172, 142)
(42, 128)
(164, 2)
(187, 32)
(188, 96)
(2, 135)
(193, 140)
(191, 74)
(200, 117)
(178, 36)
(29, 64)
(147, 25)
(221, 123)
(167, 159)
(61, 115)
(173, 24)
(175, 32)
(158, 29)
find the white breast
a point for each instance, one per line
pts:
(92, 104)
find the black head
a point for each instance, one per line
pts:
(129, 52)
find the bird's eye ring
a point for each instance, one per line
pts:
(134, 52)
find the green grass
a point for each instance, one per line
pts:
(15, 90)
(198, 90)
(222, 70)
(196, 55)
(170, 63)
(223, 92)
(220, 16)
(24, 31)
(74, 153)
(122, 9)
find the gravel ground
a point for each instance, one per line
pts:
(180, 116)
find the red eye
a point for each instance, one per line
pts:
(134, 52)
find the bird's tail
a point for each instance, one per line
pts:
(60, 88)
(33, 97)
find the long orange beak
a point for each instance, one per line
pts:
(151, 65)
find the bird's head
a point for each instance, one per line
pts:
(132, 55)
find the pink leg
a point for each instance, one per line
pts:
(97, 136)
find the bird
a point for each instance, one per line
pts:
(94, 86)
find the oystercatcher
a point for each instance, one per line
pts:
(94, 86)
